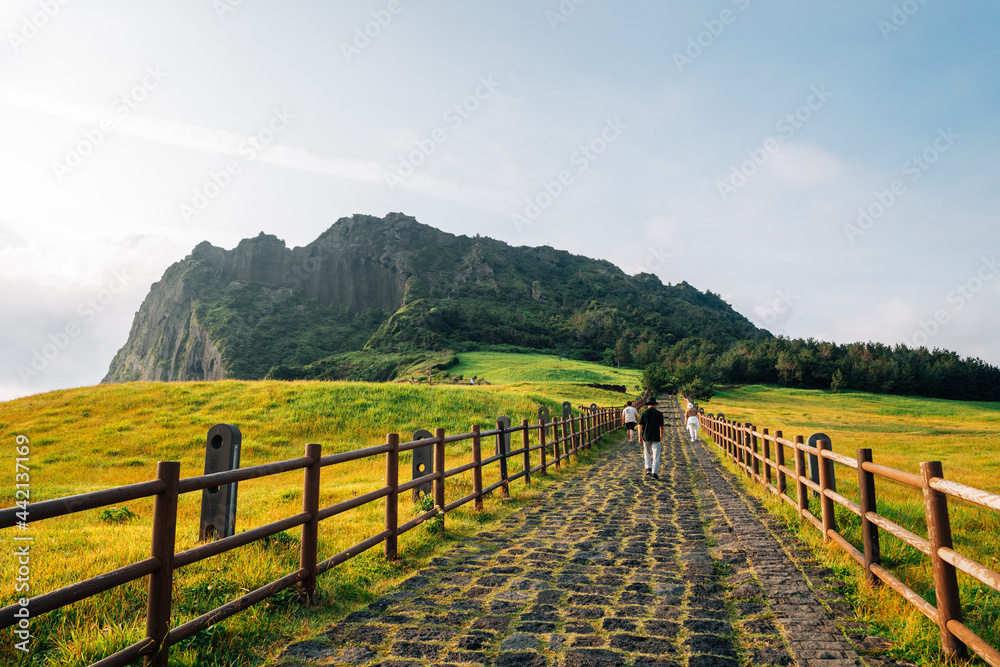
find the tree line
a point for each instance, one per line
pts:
(696, 366)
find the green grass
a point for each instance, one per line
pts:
(560, 378)
(99, 437)
(901, 432)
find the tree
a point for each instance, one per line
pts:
(655, 378)
(698, 389)
(837, 382)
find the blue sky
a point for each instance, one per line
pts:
(828, 168)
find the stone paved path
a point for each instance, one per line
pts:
(611, 568)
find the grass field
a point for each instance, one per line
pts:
(901, 432)
(98, 437)
(555, 377)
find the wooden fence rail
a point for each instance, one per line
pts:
(570, 436)
(741, 443)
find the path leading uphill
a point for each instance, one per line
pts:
(611, 568)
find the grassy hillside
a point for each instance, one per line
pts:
(902, 432)
(97, 437)
(556, 377)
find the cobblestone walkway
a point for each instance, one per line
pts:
(608, 568)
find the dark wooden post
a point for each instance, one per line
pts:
(477, 472)
(754, 452)
(158, 599)
(737, 442)
(392, 500)
(502, 453)
(555, 436)
(945, 579)
(527, 455)
(567, 437)
(800, 472)
(310, 530)
(542, 427)
(581, 423)
(869, 531)
(826, 502)
(779, 450)
(744, 448)
(767, 456)
(439, 468)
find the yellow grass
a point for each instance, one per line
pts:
(94, 438)
(901, 432)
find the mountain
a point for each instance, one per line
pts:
(371, 296)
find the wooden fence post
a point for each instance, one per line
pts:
(780, 453)
(439, 468)
(580, 434)
(567, 431)
(826, 502)
(869, 531)
(754, 451)
(477, 472)
(736, 451)
(310, 530)
(158, 600)
(555, 446)
(542, 427)
(502, 453)
(527, 454)
(392, 500)
(800, 472)
(767, 456)
(745, 449)
(945, 581)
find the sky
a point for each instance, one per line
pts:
(827, 168)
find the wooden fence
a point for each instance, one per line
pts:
(762, 456)
(570, 436)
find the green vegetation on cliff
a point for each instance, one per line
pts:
(372, 297)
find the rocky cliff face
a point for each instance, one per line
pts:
(354, 265)
(393, 286)
(166, 341)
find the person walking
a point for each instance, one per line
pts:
(630, 415)
(651, 432)
(692, 421)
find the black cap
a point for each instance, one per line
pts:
(651, 401)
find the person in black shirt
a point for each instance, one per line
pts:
(651, 432)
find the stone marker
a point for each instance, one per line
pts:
(423, 462)
(218, 503)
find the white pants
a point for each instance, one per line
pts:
(693, 425)
(651, 450)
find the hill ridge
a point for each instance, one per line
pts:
(394, 285)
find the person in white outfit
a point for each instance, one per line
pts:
(692, 421)
(630, 416)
